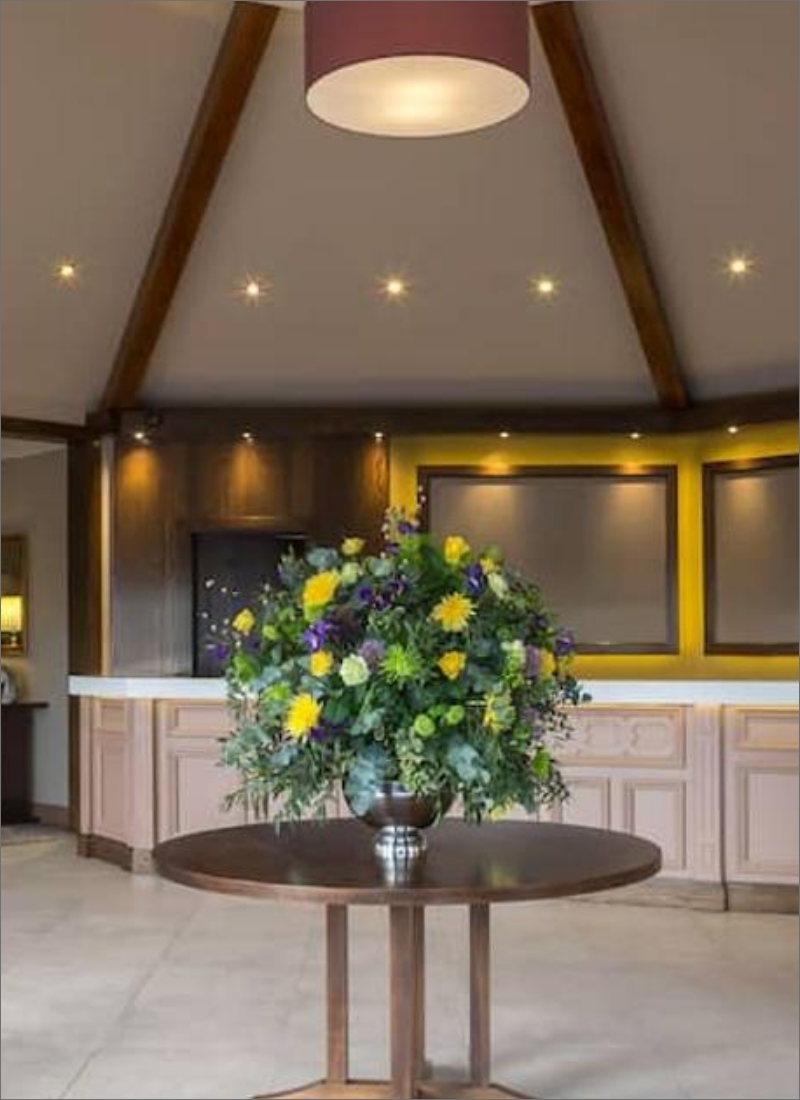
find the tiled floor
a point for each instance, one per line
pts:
(117, 986)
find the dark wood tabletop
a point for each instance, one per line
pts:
(334, 863)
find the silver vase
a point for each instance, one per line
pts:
(400, 818)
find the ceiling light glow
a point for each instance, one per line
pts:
(253, 289)
(394, 287)
(739, 265)
(544, 286)
(66, 271)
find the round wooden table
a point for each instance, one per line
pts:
(477, 866)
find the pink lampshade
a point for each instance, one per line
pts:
(416, 68)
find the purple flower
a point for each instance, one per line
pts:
(407, 527)
(318, 635)
(366, 595)
(539, 623)
(222, 651)
(324, 733)
(563, 643)
(392, 547)
(373, 652)
(476, 579)
(533, 661)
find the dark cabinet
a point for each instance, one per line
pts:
(16, 739)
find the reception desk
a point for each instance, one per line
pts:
(707, 769)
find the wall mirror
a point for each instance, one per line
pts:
(14, 601)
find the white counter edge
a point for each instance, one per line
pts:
(622, 692)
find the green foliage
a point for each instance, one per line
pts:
(472, 704)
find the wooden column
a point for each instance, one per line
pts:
(338, 983)
(480, 1051)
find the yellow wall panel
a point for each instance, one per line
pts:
(688, 452)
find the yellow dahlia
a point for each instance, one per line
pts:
(453, 612)
(456, 549)
(319, 590)
(452, 663)
(548, 664)
(321, 663)
(303, 716)
(244, 621)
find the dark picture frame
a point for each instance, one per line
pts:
(712, 472)
(667, 475)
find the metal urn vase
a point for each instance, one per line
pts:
(400, 818)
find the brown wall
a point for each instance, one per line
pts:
(201, 479)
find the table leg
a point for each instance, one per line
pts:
(479, 996)
(404, 981)
(410, 1076)
(421, 1068)
(338, 1037)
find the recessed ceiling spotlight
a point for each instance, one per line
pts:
(140, 435)
(395, 287)
(636, 436)
(378, 437)
(248, 437)
(544, 286)
(505, 435)
(739, 265)
(253, 289)
(66, 271)
(733, 429)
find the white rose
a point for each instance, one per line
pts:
(354, 670)
(498, 585)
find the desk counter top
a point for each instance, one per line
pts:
(612, 692)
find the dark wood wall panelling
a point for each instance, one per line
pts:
(177, 483)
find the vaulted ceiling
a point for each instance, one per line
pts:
(98, 98)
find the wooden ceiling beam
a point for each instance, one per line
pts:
(18, 427)
(243, 44)
(580, 97)
(186, 423)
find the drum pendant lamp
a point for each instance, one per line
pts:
(416, 68)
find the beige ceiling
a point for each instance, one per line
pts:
(97, 99)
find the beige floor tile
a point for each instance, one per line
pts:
(117, 986)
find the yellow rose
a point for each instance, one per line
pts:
(456, 549)
(319, 590)
(453, 612)
(303, 716)
(489, 565)
(321, 663)
(351, 548)
(452, 663)
(244, 621)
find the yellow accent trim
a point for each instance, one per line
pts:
(689, 452)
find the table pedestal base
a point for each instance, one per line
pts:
(411, 1079)
(382, 1090)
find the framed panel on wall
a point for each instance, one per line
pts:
(751, 555)
(601, 541)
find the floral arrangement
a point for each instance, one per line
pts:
(429, 664)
